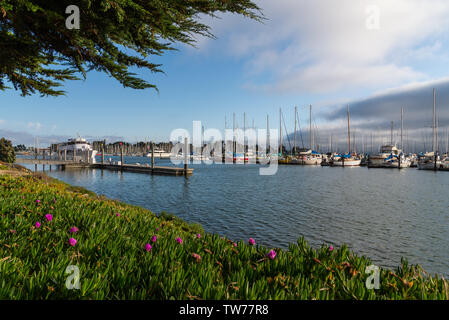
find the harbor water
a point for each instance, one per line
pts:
(384, 214)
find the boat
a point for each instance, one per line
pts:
(397, 161)
(309, 157)
(389, 157)
(346, 160)
(77, 149)
(158, 153)
(351, 159)
(431, 160)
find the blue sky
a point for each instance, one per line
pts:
(308, 52)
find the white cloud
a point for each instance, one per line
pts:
(324, 45)
(34, 125)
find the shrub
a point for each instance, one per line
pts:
(7, 153)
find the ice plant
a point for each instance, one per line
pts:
(153, 238)
(74, 229)
(72, 242)
(157, 229)
(331, 248)
(198, 235)
(38, 201)
(271, 254)
(251, 241)
(179, 240)
(38, 224)
(117, 214)
(235, 244)
(197, 257)
(49, 217)
(148, 247)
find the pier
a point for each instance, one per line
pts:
(148, 169)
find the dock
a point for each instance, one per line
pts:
(148, 169)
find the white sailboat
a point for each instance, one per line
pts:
(431, 160)
(350, 159)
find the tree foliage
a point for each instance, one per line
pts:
(38, 53)
(7, 153)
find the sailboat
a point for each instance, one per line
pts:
(307, 156)
(431, 160)
(347, 160)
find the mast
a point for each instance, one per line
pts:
(244, 136)
(402, 127)
(294, 143)
(434, 141)
(447, 141)
(268, 134)
(280, 131)
(349, 133)
(391, 137)
(310, 130)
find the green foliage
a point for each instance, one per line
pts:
(7, 153)
(38, 52)
(114, 264)
(20, 147)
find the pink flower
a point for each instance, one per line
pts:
(179, 240)
(38, 224)
(235, 244)
(74, 230)
(271, 254)
(153, 238)
(148, 247)
(49, 217)
(331, 248)
(197, 257)
(117, 214)
(38, 201)
(157, 229)
(251, 241)
(72, 242)
(198, 235)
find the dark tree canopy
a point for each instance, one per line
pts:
(38, 53)
(7, 153)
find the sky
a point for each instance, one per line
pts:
(375, 56)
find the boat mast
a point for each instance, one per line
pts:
(310, 129)
(294, 143)
(402, 127)
(280, 131)
(391, 134)
(349, 132)
(268, 134)
(434, 141)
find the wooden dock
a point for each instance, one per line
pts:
(159, 170)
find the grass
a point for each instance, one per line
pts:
(113, 263)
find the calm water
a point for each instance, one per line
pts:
(384, 214)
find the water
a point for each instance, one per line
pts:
(384, 214)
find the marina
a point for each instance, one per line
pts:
(387, 214)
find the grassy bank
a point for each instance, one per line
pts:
(115, 261)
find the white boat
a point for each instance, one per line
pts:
(308, 157)
(431, 160)
(427, 161)
(378, 160)
(77, 149)
(351, 159)
(160, 154)
(389, 157)
(346, 160)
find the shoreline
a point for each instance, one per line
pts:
(114, 261)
